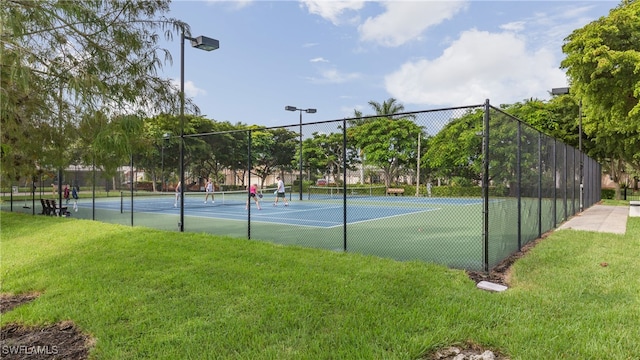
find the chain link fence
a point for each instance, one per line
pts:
(464, 187)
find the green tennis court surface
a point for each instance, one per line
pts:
(324, 212)
(441, 230)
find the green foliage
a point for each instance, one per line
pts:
(602, 65)
(271, 149)
(450, 191)
(50, 87)
(324, 153)
(557, 118)
(460, 182)
(388, 141)
(456, 191)
(457, 149)
(608, 194)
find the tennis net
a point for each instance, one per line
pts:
(150, 201)
(337, 192)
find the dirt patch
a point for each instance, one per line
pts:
(8, 302)
(468, 351)
(58, 341)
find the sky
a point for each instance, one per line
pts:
(337, 56)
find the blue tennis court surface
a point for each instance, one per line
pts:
(322, 213)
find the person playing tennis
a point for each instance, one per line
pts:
(175, 204)
(280, 193)
(74, 195)
(253, 194)
(209, 190)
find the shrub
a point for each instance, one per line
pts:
(607, 193)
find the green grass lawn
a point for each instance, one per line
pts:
(614, 202)
(150, 294)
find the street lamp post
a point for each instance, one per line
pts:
(565, 91)
(203, 43)
(309, 111)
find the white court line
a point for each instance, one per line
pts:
(292, 222)
(387, 217)
(235, 216)
(269, 215)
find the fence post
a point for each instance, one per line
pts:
(519, 182)
(93, 189)
(344, 183)
(249, 184)
(132, 182)
(555, 184)
(485, 184)
(539, 184)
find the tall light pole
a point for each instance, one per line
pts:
(309, 111)
(203, 43)
(565, 91)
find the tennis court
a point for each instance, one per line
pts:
(442, 230)
(320, 209)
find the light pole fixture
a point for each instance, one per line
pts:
(560, 91)
(566, 91)
(203, 43)
(308, 111)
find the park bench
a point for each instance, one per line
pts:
(45, 207)
(56, 209)
(395, 191)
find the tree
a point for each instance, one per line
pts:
(113, 141)
(63, 61)
(388, 140)
(602, 66)
(456, 150)
(389, 144)
(557, 118)
(388, 107)
(161, 159)
(271, 149)
(227, 149)
(325, 153)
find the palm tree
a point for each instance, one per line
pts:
(386, 138)
(388, 107)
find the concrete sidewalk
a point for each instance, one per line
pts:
(600, 218)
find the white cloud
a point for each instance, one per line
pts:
(333, 76)
(478, 66)
(333, 11)
(404, 21)
(514, 26)
(319, 59)
(349, 111)
(190, 88)
(234, 5)
(553, 27)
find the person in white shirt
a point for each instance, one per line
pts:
(209, 191)
(175, 203)
(280, 193)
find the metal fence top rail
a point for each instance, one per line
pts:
(398, 115)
